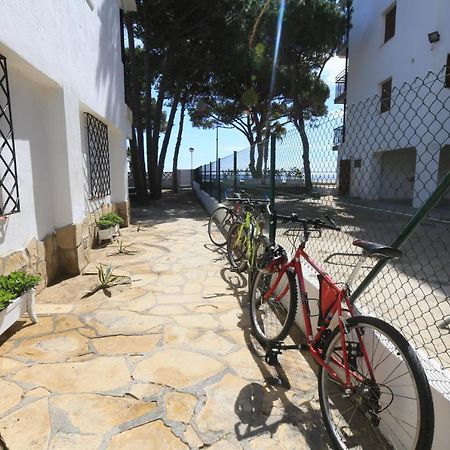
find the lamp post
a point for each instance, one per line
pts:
(217, 142)
(191, 149)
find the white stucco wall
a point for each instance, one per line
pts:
(407, 55)
(63, 59)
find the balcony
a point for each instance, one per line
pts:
(338, 137)
(341, 92)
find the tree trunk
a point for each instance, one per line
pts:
(300, 125)
(137, 144)
(165, 144)
(178, 145)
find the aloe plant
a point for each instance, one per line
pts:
(107, 279)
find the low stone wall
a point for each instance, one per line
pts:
(63, 253)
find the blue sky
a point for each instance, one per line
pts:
(204, 141)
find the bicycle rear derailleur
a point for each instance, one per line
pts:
(277, 348)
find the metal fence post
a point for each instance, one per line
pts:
(210, 178)
(218, 179)
(235, 170)
(272, 226)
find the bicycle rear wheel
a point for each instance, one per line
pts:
(219, 224)
(272, 319)
(393, 409)
(236, 247)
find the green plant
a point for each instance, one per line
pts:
(112, 217)
(14, 285)
(107, 279)
(104, 224)
(123, 249)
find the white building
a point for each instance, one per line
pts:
(63, 130)
(396, 144)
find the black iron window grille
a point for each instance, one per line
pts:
(9, 189)
(386, 90)
(447, 72)
(389, 25)
(98, 151)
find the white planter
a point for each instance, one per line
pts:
(104, 235)
(17, 308)
(117, 229)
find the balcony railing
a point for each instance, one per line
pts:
(340, 93)
(338, 137)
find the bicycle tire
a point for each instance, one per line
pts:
(218, 225)
(236, 250)
(272, 320)
(413, 429)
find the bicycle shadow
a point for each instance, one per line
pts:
(287, 397)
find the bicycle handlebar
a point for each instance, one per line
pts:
(315, 223)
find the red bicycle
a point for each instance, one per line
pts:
(373, 390)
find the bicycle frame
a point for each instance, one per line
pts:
(249, 238)
(341, 296)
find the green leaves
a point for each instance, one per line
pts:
(14, 285)
(107, 279)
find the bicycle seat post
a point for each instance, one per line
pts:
(356, 269)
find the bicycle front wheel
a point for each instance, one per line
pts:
(219, 224)
(390, 409)
(236, 247)
(272, 318)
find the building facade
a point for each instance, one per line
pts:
(397, 96)
(63, 130)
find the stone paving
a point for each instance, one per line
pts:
(166, 362)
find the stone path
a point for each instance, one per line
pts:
(166, 362)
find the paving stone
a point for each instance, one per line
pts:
(218, 413)
(65, 441)
(167, 310)
(192, 438)
(97, 375)
(182, 298)
(11, 395)
(179, 406)
(97, 414)
(67, 322)
(286, 437)
(176, 335)
(9, 366)
(49, 308)
(140, 304)
(112, 322)
(27, 428)
(6, 346)
(177, 368)
(144, 390)
(29, 329)
(205, 321)
(151, 436)
(53, 347)
(244, 364)
(213, 343)
(118, 345)
(36, 393)
(226, 443)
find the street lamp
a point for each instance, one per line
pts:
(191, 149)
(217, 142)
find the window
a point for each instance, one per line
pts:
(389, 23)
(98, 151)
(385, 101)
(357, 163)
(9, 189)
(447, 73)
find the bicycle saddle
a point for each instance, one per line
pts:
(378, 250)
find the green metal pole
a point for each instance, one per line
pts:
(235, 170)
(210, 179)
(218, 180)
(415, 221)
(272, 226)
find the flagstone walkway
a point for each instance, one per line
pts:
(165, 362)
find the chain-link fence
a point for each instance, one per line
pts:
(370, 171)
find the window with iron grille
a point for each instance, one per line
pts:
(98, 153)
(9, 190)
(386, 89)
(447, 72)
(389, 23)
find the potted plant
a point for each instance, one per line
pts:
(106, 229)
(17, 296)
(115, 218)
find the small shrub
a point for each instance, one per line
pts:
(104, 224)
(14, 285)
(112, 217)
